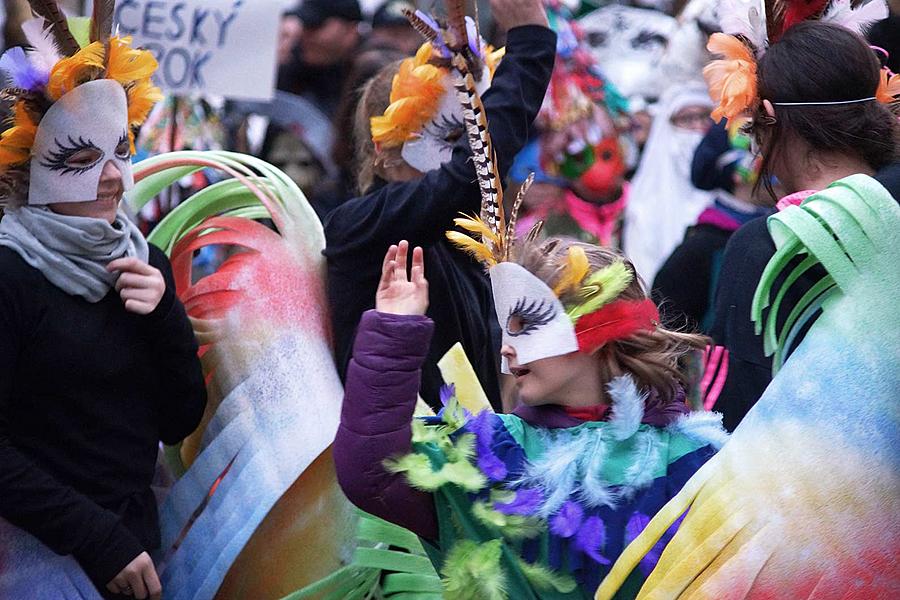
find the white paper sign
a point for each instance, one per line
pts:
(221, 47)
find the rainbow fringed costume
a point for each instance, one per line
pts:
(804, 500)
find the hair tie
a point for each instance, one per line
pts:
(824, 103)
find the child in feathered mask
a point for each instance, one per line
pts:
(416, 175)
(537, 503)
(98, 361)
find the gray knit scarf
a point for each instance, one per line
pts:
(72, 252)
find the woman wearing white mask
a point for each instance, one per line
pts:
(98, 360)
(663, 202)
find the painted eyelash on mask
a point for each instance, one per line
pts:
(55, 160)
(440, 130)
(533, 315)
(124, 140)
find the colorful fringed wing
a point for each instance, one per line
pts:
(804, 500)
(256, 512)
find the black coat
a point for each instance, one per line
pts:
(87, 391)
(746, 256)
(360, 231)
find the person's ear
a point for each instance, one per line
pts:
(770, 110)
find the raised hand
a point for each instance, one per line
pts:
(139, 285)
(516, 13)
(398, 293)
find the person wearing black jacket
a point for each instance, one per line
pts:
(98, 361)
(807, 146)
(421, 209)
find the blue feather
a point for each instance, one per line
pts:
(627, 407)
(21, 72)
(703, 427)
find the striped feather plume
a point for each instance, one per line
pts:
(482, 150)
(514, 215)
(102, 20)
(421, 25)
(56, 20)
(456, 19)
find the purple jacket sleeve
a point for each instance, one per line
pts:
(379, 401)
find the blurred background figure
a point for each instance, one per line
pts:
(391, 29)
(319, 62)
(663, 201)
(577, 157)
(723, 164)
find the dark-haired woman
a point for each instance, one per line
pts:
(819, 121)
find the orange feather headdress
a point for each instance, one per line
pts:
(55, 65)
(750, 25)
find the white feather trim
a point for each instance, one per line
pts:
(859, 19)
(627, 407)
(557, 471)
(703, 427)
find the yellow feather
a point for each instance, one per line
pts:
(576, 269)
(126, 64)
(477, 249)
(476, 225)
(69, 73)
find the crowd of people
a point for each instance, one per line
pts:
(660, 233)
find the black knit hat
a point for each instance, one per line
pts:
(314, 13)
(391, 13)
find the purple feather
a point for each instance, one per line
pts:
(567, 521)
(648, 563)
(527, 502)
(447, 392)
(635, 526)
(474, 38)
(591, 538)
(21, 72)
(439, 43)
(488, 462)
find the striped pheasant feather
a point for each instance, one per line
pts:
(482, 150)
(421, 25)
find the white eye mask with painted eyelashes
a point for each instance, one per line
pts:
(543, 328)
(434, 145)
(81, 132)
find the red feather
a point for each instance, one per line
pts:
(798, 11)
(615, 321)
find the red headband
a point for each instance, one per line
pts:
(615, 321)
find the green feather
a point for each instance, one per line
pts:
(546, 580)
(512, 527)
(458, 470)
(600, 288)
(472, 571)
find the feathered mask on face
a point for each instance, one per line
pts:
(749, 26)
(64, 55)
(423, 117)
(532, 316)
